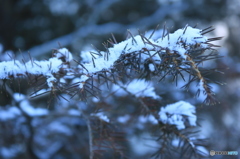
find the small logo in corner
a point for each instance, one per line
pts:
(212, 153)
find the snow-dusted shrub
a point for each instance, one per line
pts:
(110, 102)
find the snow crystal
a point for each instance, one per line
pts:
(139, 88)
(174, 114)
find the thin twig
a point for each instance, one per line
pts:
(91, 153)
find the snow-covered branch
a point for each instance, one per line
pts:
(172, 54)
(127, 70)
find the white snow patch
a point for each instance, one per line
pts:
(149, 118)
(74, 112)
(151, 67)
(60, 128)
(10, 113)
(45, 68)
(87, 57)
(188, 35)
(18, 97)
(127, 46)
(173, 114)
(101, 116)
(63, 52)
(139, 88)
(30, 110)
(123, 119)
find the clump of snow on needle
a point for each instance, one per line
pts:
(187, 35)
(64, 53)
(46, 68)
(123, 47)
(175, 114)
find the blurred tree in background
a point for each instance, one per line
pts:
(39, 26)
